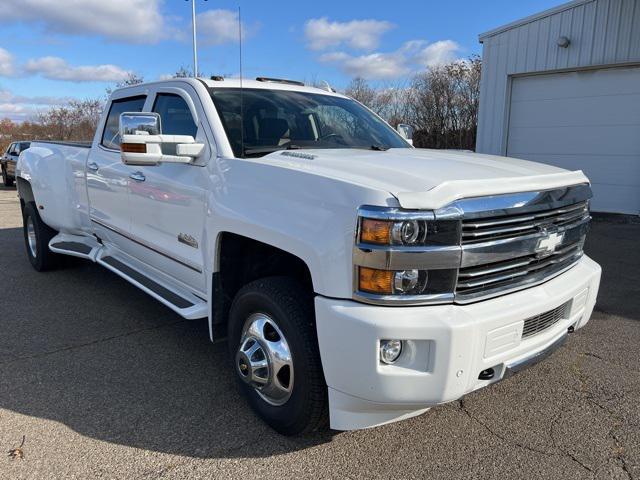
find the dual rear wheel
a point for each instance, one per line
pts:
(37, 236)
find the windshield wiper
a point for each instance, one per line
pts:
(379, 148)
(271, 149)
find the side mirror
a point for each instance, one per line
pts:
(142, 142)
(406, 132)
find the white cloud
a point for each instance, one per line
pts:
(357, 34)
(438, 53)
(412, 56)
(216, 27)
(20, 108)
(6, 97)
(56, 68)
(7, 66)
(373, 66)
(138, 21)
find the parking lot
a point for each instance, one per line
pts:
(104, 382)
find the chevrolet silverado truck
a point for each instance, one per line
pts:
(358, 280)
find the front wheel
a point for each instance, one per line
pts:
(37, 236)
(273, 344)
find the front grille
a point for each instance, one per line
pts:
(510, 226)
(539, 323)
(499, 276)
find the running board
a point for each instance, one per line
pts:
(184, 304)
(75, 245)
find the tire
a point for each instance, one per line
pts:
(37, 236)
(8, 182)
(290, 307)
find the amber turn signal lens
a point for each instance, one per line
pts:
(375, 281)
(375, 231)
(133, 147)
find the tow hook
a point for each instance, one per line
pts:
(487, 374)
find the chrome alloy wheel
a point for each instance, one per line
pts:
(264, 359)
(31, 238)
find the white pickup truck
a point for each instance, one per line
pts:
(358, 280)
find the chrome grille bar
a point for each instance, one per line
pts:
(528, 264)
(482, 230)
(498, 278)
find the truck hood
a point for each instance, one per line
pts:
(428, 179)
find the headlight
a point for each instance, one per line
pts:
(410, 232)
(386, 232)
(405, 256)
(388, 282)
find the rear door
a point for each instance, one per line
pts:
(168, 200)
(108, 178)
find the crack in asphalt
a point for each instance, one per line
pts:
(604, 360)
(618, 455)
(93, 342)
(618, 422)
(464, 409)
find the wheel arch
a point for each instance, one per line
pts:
(240, 260)
(25, 192)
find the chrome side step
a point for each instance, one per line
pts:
(184, 303)
(75, 245)
(177, 298)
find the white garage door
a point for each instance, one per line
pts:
(588, 120)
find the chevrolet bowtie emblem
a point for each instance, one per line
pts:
(547, 245)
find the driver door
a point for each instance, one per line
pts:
(168, 201)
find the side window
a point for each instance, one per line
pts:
(175, 116)
(111, 132)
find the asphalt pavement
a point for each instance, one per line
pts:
(104, 382)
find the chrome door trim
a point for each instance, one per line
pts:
(142, 243)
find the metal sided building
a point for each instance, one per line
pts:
(563, 87)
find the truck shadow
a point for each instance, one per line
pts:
(84, 348)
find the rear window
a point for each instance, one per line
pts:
(111, 132)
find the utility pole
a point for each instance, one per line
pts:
(195, 44)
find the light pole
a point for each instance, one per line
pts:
(195, 44)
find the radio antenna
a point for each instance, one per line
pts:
(241, 88)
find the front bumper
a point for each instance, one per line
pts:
(446, 346)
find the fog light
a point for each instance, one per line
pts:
(390, 350)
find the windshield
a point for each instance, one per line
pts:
(279, 120)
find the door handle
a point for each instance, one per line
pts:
(137, 176)
(93, 166)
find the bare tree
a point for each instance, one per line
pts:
(445, 103)
(441, 102)
(361, 91)
(75, 121)
(131, 79)
(183, 72)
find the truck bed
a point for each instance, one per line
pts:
(57, 175)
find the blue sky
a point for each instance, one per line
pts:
(51, 50)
